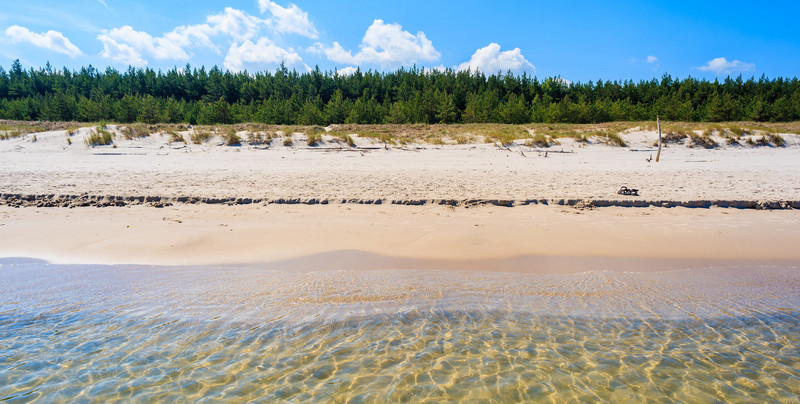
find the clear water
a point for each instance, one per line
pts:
(106, 333)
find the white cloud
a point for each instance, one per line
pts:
(235, 23)
(289, 19)
(52, 40)
(652, 59)
(121, 53)
(723, 66)
(490, 60)
(259, 53)
(347, 71)
(103, 2)
(386, 45)
(128, 46)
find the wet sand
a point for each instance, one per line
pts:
(545, 239)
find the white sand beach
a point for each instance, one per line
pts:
(330, 174)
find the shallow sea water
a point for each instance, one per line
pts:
(139, 333)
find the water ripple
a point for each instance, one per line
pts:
(186, 334)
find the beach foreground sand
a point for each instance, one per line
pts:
(550, 239)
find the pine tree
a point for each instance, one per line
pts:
(446, 112)
(149, 110)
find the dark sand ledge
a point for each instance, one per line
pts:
(86, 200)
(538, 238)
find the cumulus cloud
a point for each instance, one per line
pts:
(128, 46)
(121, 53)
(289, 19)
(347, 71)
(261, 52)
(723, 66)
(235, 23)
(652, 59)
(52, 40)
(386, 45)
(490, 60)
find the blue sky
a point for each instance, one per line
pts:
(577, 40)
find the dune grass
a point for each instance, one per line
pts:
(99, 136)
(611, 133)
(10, 131)
(175, 137)
(200, 136)
(134, 131)
(231, 138)
(690, 134)
(314, 138)
(258, 138)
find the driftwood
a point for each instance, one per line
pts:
(658, 155)
(628, 191)
(552, 151)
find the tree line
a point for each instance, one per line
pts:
(200, 96)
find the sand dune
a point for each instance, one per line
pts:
(153, 167)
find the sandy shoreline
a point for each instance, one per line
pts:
(152, 201)
(529, 238)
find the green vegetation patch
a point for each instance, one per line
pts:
(99, 136)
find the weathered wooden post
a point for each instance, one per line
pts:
(658, 154)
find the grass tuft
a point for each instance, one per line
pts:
(231, 138)
(175, 137)
(538, 140)
(135, 131)
(314, 139)
(99, 136)
(199, 136)
(613, 139)
(259, 138)
(10, 131)
(704, 140)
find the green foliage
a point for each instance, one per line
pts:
(286, 97)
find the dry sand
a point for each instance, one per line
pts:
(536, 238)
(151, 166)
